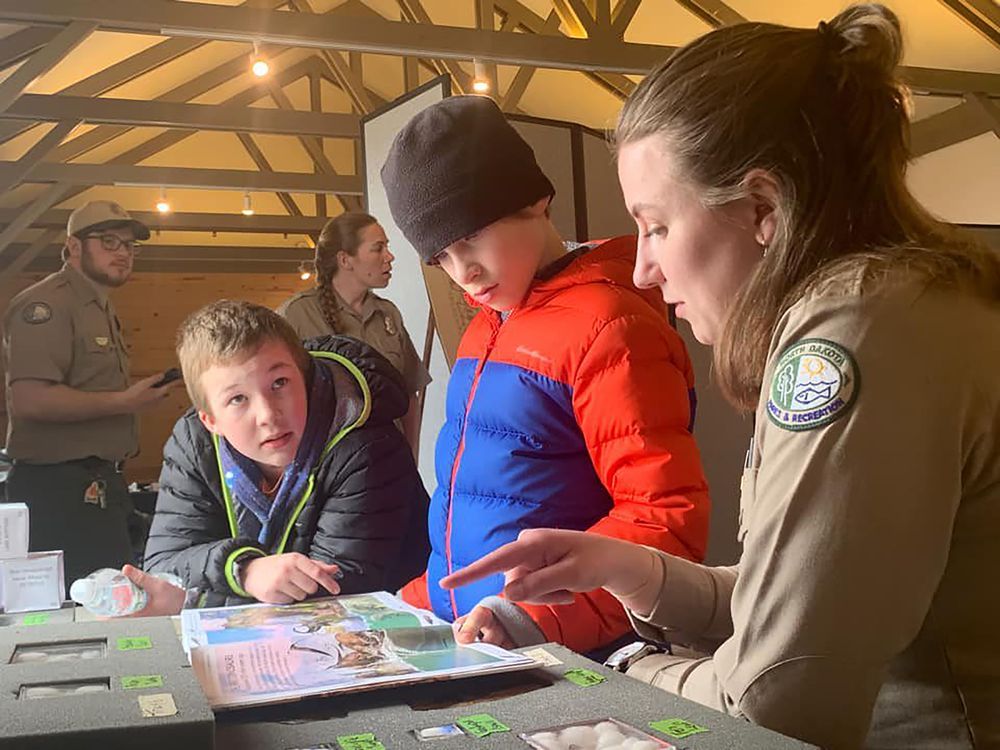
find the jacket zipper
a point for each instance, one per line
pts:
(460, 451)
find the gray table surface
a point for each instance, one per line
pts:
(523, 701)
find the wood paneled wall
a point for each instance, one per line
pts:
(150, 307)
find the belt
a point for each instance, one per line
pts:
(90, 462)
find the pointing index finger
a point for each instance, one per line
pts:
(499, 560)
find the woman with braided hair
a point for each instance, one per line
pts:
(352, 259)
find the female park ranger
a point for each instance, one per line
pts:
(764, 167)
(352, 259)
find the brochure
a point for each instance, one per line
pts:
(261, 653)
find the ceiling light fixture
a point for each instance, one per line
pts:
(260, 66)
(305, 270)
(247, 205)
(163, 205)
(481, 81)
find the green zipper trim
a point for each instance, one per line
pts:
(227, 499)
(230, 578)
(366, 411)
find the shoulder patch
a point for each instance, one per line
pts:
(815, 382)
(36, 312)
(390, 325)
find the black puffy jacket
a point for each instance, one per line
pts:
(367, 511)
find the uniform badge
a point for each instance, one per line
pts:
(101, 340)
(37, 312)
(390, 327)
(814, 383)
(96, 493)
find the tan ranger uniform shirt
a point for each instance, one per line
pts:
(865, 609)
(64, 330)
(380, 325)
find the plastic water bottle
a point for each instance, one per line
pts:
(108, 593)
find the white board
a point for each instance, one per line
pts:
(407, 290)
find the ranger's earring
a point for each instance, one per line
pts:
(763, 247)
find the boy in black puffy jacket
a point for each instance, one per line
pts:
(288, 478)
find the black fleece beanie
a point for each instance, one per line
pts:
(456, 167)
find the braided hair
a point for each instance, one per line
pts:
(341, 233)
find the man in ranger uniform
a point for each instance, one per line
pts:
(71, 409)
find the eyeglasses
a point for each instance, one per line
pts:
(113, 243)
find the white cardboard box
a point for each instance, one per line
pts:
(13, 530)
(31, 583)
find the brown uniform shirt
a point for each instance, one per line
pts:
(379, 324)
(64, 330)
(864, 611)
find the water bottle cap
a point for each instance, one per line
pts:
(82, 590)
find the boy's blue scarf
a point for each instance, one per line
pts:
(245, 479)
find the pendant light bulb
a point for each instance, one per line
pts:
(163, 205)
(260, 66)
(480, 81)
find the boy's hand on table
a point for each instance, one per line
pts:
(483, 625)
(287, 578)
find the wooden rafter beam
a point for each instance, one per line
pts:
(949, 82)
(202, 84)
(352, 84)
(189, 222)
(19, 45)
(713, 12)
(166, 251)
(989, 111)
(522, 78)
(349, 32)
(125, 70)
(270, 266)
(166, 114)
(949, 127)
(116, 75)
(22, 255)
(158, 143)
(23, 167)
(981, 15)
(602, 16)
(615, 83)
(313, 147)
(42, 61)
(414, 12)
(623, 14)
(23, 218)
(486, 19)
(258, 158)
(575, 17)
(411, 73)
(316, 105)
(187, 177)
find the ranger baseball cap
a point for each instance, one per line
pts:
(97, 215)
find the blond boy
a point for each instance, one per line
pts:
(266, 491)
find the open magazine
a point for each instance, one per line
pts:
(262, 653)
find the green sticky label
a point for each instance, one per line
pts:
(677, 728)
(481, 725)
(36, 618)
(139, 681)
(359, 742)
(584, 677)
(135, 643)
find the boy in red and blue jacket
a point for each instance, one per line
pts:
(571, 400)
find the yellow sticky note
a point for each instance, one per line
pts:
(157, 705)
